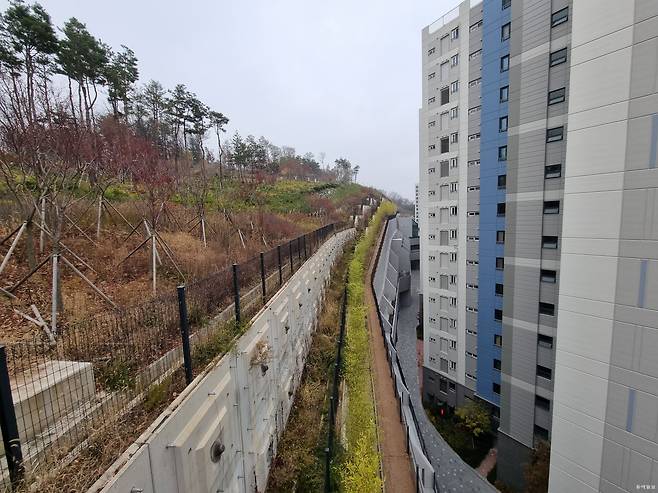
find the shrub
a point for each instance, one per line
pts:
(361, 461)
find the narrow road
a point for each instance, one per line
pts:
(398, 475)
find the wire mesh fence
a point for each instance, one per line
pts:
(102, 367)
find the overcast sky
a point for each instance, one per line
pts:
(339, 76)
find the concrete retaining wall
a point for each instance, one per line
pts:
(222, 432)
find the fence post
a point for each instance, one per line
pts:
(299, 249)
(305, 252)
(185, 333)
(278, 252)
(262, 276)
(236, 293)
(291, 266)
(8, 426)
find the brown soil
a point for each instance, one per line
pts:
(398, 475)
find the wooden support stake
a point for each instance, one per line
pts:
(154, 263)
(53, 313)
(91, 284)
(12, 247)
(42, 236)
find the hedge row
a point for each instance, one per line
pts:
(360, 471)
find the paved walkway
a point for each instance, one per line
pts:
(452, 473)
(398, 476)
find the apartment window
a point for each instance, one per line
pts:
(454, 34)
(499, 289)
(500, 209)
(445, 95)
(502, 124)
(506, 4)
(475, 82)
(475, 26)
(445, 43)
(443, 386)
(454, 86)
(500, 263)
(554, 134)
(548, 275)
(498, 314)
(454, 112)
(556, 96)
(453, 365)
(445, 145)
(453, 256)
(560, 17)
(500, 237)
(541, 433)
(453, 301)
(445, 171)
(454, 186)
(553, 171)
(542, 402)
(498, 340)
(454, 60)
(453, 344)
(431, 100)
(474, 109)
(504, 63)
(443, 282)
(504, 94)
(549, 242)
(505, 31)
(431, 76)
(544, 372)
(496, 388)
(472, 377)
(454, 138)
(502, 153)
(474, 136)
(471, 355)
(443, 238)
(545, 341)
(444, 68)
(451, 386)
(453, 210)
(547, 308)
(444, 120)
(453, 162)
(443, 365)
(431, 147)
(432, 123)
(475, 54)
(551, 207)
(558, 57)
(496, 364)
(453, 234)
(431, 51)
(502, 182)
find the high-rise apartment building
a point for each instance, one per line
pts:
(539, 42)
(605, 412)
(554, 90)
(448, 205)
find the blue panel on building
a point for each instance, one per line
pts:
(491, 194)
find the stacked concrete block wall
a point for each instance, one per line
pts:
(222, 432)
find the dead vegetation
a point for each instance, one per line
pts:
(299, 462)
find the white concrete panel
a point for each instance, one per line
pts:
(589, 274)
(596, 18)
(594, 214)
(599, 149)
(589, 336)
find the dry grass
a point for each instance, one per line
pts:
(107, 443)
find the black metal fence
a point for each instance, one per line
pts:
(333, 398)
(104, 366)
